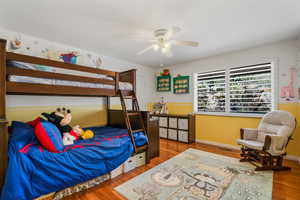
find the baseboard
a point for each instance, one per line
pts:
(229, 146)
(294, 158)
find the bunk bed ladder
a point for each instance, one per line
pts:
(134, 112)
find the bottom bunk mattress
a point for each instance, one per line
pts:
(33, 171)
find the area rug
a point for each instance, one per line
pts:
(196, 174)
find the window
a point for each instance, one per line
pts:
(211, 91)
(245, 89)
(250, 89)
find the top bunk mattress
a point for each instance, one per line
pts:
(28, 79)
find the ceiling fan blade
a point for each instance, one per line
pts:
(144, 50)
(175, 29)
(185, 43)
(172, 31)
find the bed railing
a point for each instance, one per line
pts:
(130, 77)
(3, 121)
(44, 89)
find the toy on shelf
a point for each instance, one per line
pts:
(61, 119)
(181, 84)
(160, 107)
(165, 72)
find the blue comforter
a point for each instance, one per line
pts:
(33, 171)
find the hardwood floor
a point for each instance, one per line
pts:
(286, 185)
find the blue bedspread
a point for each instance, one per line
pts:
(33, 171)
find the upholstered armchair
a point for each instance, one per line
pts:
(265, 146)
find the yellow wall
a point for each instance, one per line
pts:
(176, 108)
(85, 116)
(226, 129)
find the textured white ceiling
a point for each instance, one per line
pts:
(121, 28)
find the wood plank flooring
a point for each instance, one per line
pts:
(286, 185)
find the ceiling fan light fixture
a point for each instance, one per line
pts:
(155, 47)
(164, 43)
(164, 50)
(167, 45)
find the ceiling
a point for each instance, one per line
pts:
(121, 28)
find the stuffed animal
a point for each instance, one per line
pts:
(68, 139)
(84, 134)
(61, 119)
(166, 72)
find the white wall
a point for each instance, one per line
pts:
(38, 47)
(284, 53)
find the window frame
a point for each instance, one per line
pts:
(274, 88)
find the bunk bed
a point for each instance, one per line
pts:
(19, 78)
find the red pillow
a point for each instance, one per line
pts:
(48, 135)
(34, 122)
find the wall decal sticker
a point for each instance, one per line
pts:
(288, 92)
(98, 62)
(69, 57)
(16, 43)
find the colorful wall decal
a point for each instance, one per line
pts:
(16, 43)
(69, 57)
(288, 92)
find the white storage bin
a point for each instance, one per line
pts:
(183, 136)
(116, 172)
(172, 122)
(183, 123)
(163, 132)
(140, 159)
(129, 164)
(172, 134)
(155, 118)
(163, 121)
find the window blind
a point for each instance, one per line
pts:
(250, 89)
(211, 91)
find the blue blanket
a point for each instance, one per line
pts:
(33, 171)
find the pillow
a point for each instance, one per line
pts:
(21, 134)
(49, 136)
(23, 65)
(33, 123)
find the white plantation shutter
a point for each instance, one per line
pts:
(250, 89)
(211, 91)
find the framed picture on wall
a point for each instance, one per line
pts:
(181, 84)
(163, 83)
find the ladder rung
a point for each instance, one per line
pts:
(141, 148)
(133, 113)
(126, 93)
(138, 130)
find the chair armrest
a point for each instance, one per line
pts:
(249, 133)
(275, 144)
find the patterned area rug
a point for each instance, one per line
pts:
(195, 174)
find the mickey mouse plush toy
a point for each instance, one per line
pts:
(61, 119)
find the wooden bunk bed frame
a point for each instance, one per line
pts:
(20, 88)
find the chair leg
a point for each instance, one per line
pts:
(265, 160)
(279, 165)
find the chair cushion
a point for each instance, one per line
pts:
(279, 123)
(251, 144)
(281, 118)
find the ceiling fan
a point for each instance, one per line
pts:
(163, 41)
